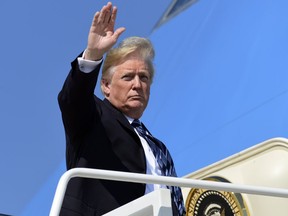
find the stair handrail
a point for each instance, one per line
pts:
(151, 179)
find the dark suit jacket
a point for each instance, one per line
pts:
(97, 136)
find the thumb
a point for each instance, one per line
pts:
(118, 32)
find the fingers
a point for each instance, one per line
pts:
(106, 17)
(105, 13)
(113, 15)
(96, 17)
(103, 25)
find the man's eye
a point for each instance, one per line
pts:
(144, 78)
(127, 77)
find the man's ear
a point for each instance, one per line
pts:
(105, 87)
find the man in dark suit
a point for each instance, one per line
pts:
(98, 132)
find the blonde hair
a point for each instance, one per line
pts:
(142, 47)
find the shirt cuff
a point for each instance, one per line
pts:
(87, 66)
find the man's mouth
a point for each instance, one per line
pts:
(136, 97)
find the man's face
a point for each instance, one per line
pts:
(129, 87)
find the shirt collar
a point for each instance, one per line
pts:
(129, 119)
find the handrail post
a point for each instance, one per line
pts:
(60, 192)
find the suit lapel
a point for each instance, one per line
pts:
(118, 116)
(125, 141)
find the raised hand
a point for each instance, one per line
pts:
(102, 35)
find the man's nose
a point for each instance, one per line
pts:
(136, 82)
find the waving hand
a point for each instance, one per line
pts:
(102, 35)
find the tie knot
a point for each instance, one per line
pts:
(136, 123)
(139, 128)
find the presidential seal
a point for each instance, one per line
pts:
(201, 202)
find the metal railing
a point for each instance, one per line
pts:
(150, 179)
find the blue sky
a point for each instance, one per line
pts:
(220, 85)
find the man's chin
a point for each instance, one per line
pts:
(136, 106)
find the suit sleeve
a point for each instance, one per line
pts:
(77, 101)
